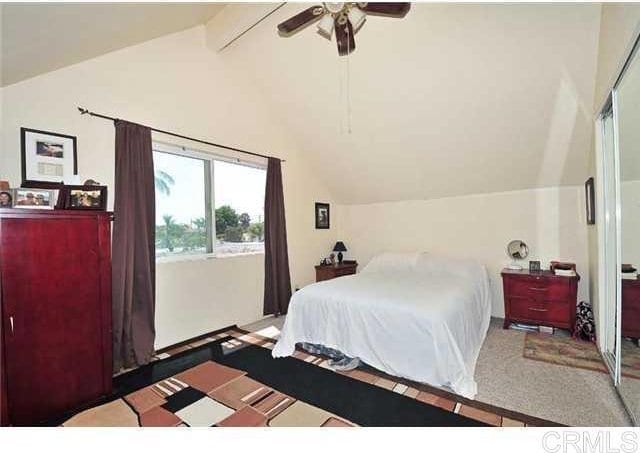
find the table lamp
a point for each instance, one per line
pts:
(339, 247)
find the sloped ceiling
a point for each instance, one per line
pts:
(451, 100)
(38, 38)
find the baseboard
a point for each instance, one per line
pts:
(191, 340)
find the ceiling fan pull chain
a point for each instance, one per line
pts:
(348, 82)
(341, 92)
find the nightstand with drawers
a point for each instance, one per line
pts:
(327, 272)
(539, 298)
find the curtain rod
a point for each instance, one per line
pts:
(84, 111)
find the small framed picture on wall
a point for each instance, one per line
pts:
(322, 216)
(589, 193)
(48, 158)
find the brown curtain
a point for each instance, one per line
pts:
(133, 260)
(277, 282)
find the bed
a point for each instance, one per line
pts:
(411, 315)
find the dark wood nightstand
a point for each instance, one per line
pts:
(540, 298)
(631, 308)
(328, 272)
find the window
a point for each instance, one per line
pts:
(205, 204)
(239, 202)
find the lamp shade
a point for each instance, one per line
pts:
(325, 26)
(356, 17)
(339, 247)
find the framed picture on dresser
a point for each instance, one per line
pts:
(48, 158)
(6, 198)
(27, 198)
(87, 197)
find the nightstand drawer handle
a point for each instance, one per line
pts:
(537, 289)
(537, 309)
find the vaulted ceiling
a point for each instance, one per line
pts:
(451, 100)
(38, 38)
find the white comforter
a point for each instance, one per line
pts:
(414, 316)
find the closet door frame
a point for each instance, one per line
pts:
(612, 208)
(608, 212)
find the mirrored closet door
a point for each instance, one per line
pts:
(606, 214)
(627, 115)
(618, 173)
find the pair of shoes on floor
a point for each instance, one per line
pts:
(345, 364)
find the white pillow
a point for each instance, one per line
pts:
(441, 265)
(393, 262)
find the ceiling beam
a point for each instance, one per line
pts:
(234, 21)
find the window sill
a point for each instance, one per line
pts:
(203, 257)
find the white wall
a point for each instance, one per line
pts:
(551, 222)
(175, 83)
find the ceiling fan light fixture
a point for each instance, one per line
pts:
(343, 19)
(325, 26)
(357, 17)
(334, 7)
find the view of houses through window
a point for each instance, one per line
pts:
(205, 205)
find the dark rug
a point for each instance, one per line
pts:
(359, 402)
(353, 400)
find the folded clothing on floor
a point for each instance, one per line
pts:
(339, 361)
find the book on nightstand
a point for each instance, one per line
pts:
(563, 269)
(565, 273)
(629, 272)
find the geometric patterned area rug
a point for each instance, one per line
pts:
(208, 394)
(230, 379)
(567, 351)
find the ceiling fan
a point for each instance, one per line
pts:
(345, 17)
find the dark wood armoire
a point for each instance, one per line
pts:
(55, 277)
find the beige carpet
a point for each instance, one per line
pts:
(570, 396)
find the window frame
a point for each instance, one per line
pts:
(209, 196)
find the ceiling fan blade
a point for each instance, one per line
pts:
(301, 20)
(344, 36)
(386, 8)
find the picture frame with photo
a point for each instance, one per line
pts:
(534, 266)
(30, 198)
(48, 158)
(87, 197)
(6, 198)
(590, 195)
(322, 212)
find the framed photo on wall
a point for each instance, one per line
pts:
(48, 158)
(589, 194)
(322, 216)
